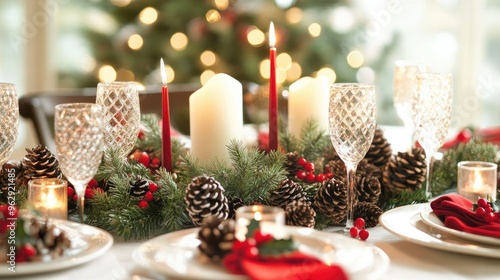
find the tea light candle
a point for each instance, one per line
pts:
(477, 179)
(270, 220)
(49, 197)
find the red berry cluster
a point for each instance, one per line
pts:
(307, 172)
(7, 212)
(144, 203)
(248, 249)
(91, 189)
(144, 159)
(485, 211)
(358, 230)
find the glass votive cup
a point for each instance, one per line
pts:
(477, 179)
(48, 196)
(269, 219)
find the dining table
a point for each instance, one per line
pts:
(413, 249)
(407, 260)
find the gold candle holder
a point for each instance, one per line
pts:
(477, 179)
(49, 197)
(270, 219)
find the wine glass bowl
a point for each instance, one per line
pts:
(122, 117)
(405, 81)
(352, 124)
(79, 139)
(9, 120)
(433, 101)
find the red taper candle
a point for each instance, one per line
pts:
(273, 97)
(166, 141)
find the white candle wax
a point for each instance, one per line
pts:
(309, 98)
(215, 117)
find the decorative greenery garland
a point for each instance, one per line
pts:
(251, 177)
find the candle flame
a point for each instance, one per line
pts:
(50, 199)
(478, 181)
(257, 216)
(272, 35)
(163, 72)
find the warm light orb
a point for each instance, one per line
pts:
(355, 59)
(121, 3)
(148, 15)
(314, 29)
(280, 76)
(205, 76)
(179, 41)
(327, 72)
(135, 42)
(208, 58)
(294, 72)
(294, 15)
(170, 73)
(221, 4)
(284, 61)
(107, 73)
(256, 37)
(213, 16)
(125, 75)
(264, 68)
(365, 75)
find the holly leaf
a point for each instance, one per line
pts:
(252, 227)
(277, 247)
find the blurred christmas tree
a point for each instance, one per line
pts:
(199, 37)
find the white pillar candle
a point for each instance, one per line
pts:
(309, 98)
(215, 117)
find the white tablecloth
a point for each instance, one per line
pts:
(408, 261)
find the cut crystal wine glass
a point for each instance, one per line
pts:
(352, 124)
(79, 144)
(9, 120)
(433, 101)
(405, 81)
(122, 116)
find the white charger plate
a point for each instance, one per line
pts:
(176, 255)
(406, 223)
(87, 243)
(431, 219)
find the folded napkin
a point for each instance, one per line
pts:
(291, 266)
(456, 212)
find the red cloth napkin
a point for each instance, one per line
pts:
(293, 266)
(456, 212)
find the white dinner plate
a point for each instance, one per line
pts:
(406, 223)
(431, 219)
(176, 255)
(87, 243)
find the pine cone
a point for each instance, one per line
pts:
(300, 213)
(369, 212)
(287, 192)
(216, 237)
(331, 200)
(380, 150)
(49, 240)
(405, 171)
(337, 167)
(139, 186)
(10, 175)
(368, 188)
(291, 165)
(234, 204)
(205, 197)
(40, 163)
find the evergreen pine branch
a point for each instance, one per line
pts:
(444, 174)
(152, 139)
(312, 141)
(289, 142)
(404, 198)
(173, 212)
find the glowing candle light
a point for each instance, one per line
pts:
(166, 142)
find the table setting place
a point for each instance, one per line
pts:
(124, 196)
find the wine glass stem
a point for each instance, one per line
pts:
(428, 161)
(80, 193)
(351, 184)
